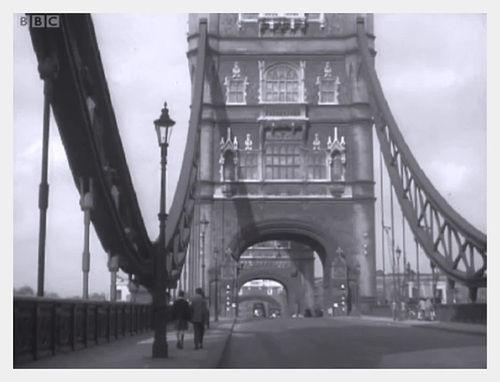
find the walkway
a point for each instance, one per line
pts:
(460, 327)
(135, 353)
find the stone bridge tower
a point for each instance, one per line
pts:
(286, 145)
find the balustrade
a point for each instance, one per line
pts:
(45, 327)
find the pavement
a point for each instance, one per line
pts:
(135, 352)
(458, 327)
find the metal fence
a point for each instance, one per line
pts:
(45, 327)
(475, 313)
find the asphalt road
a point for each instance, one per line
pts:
(349, 344)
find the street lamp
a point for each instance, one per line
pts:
(402, 311)
(216, 273)
(239, 267)
(340, 252)
(398, 256)
(160, 347)
(203, 227)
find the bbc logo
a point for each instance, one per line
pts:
(40, 21)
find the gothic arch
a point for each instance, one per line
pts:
(258, 297)
(279, 230)
(292, 292)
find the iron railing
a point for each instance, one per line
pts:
(45, 327)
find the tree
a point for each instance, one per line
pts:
(97, 297)
(25, 290)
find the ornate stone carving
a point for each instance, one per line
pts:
(236, 70)
(337, 156)
(316, 142)
(248, 143)
(229, 157)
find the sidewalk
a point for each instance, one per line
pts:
(135, 352)
(460, 327)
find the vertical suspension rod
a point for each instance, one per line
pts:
(404, 254)
(395, 285)
(43, 192)
(383, 225)
(418, 270)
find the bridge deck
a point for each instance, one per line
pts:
(135, 353)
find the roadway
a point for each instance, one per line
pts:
(353, 343)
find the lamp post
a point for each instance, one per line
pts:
(398, 256)
(340, 252)
(203, 226)
(160, 346)
(216, 299)
(239, 267)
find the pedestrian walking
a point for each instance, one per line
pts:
(429, 310)
(394, 309)
(421, 309)
(403, 311)
(199, 317)
(182, 315)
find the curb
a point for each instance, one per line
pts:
(214, 359)
(224, 347)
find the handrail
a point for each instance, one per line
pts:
(449, 240)
(181, 212)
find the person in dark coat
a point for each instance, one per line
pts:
(181, 312)
(199, 317)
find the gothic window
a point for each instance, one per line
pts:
(249, 165)
(236, 87)
(328, 87)
(317, 165)
(327, 91)
(229, 173)
(283, 160)
(282, 84)
(236, 91)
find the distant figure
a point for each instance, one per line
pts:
(181, 313)
(394, 309)
(429, 310)
(199, 317)
(421, 309)
(403, 310)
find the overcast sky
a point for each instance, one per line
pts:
(433, 72)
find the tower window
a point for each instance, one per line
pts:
(236, 91)
(317, 165)
(249, 165)
(282, 84)
(236, 87)
(283, 160)
(328, 86)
